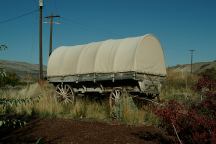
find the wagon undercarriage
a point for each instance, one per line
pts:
(112, 86)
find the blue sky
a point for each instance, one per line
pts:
(180, 25)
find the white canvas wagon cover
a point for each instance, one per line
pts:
(142, 54)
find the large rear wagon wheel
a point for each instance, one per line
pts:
(65, 93)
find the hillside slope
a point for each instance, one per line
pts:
(197, 67)
(22, 69)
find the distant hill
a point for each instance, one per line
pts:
(23, 69)
(197, 67)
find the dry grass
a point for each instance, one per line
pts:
(177, 86)
(48, 106)
(128, 113)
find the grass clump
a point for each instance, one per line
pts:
(179, 86)
(128, 112)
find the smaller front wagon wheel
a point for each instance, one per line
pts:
(115, 97)
(65, 93)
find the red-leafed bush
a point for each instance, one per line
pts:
(195, 123)
(205, 85)
(207, 88)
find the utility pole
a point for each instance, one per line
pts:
(51, 22)
(40, 40)
(191, 53)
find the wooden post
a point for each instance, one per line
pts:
(40, 40)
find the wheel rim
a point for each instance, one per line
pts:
(65, 93)
(115, 96)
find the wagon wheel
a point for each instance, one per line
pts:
(114, 98)
(65, 93)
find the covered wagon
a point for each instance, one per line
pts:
(135, 65)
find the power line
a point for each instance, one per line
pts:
(86, 28)
(51, 17)
(35, 1)
(18, 17)
(50, 7)
(55, 5)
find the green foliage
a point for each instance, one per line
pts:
(16, 101)
(8, 78)
(12, 121)
(3, 47)
(8, 117)
(12, 79)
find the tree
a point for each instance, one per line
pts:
(2, 71)
(3, 47)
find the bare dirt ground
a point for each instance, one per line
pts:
(55, 131)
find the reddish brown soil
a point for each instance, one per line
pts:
(85, 132)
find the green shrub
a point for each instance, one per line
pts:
(8, 78)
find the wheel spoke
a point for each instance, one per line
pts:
(65, 101)
(69, 95)
(58, 88)
(116, 93)
(61, 90)
(58, 93)
(70, 92)
(70, 100)
(66, 88)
